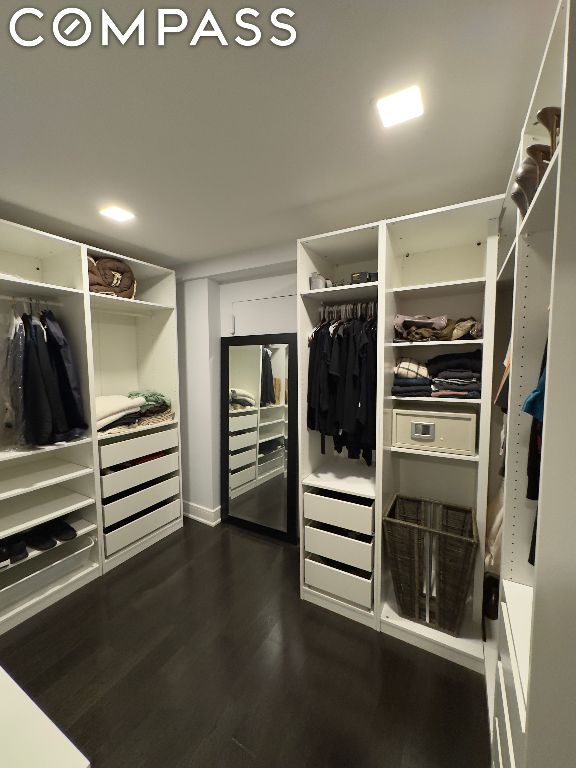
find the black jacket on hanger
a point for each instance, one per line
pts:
(267, 396)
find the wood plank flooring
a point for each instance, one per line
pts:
(199, 654)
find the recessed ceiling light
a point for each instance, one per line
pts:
(401, 106)
(118, 214)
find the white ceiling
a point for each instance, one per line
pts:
(220, 150)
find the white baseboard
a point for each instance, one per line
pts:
(202, 514)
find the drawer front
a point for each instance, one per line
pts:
(137, 529)
(450, 432)
(340, 548)
(119, 510)
(236, 442)
(134, 448)
(237, 423)
(243, 459)
(512, 684)
(116, 482)
(346, 586)
(244, 476)
(343, 514)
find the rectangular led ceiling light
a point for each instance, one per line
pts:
(117, 214)
(401, 106)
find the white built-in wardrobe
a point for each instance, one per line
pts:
(517, 274)
(118, 345)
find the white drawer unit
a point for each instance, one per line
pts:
(244, 476)
(343, 549)
(343, 512)
(243, 459)
(243, 440)
(435, 431)
(238, 423)
(341, 584)
(137, 529)
(130, 505)
(136, 447)
(116, 482)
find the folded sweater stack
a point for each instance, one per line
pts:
(411, 379)
(121, 410)
(241, 398)
(456, 375)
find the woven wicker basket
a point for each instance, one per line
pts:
(431, 549)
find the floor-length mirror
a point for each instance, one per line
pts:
(259, 433)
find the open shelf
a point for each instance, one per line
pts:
(24, 452)
(344, 476)
(135, 307)
(451, 400)
(18, 287)
(519, 601)
(457, 343)
(135, 430)
(344, 293)
(435, 454)
(270, 407)
(442, 290)
(267, 438)
(275, 421)
(22, 478)
(540, 215)
(82, 527)
(240, 411)
(269, 475)
(25, 512)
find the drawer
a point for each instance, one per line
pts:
(269, 466)
(237, 423)
(512, 684)
(137, 529)
(341, 512)
(130, 505)
(236, 442)
(435, 431)
(135, 447)
(244, 476)
(334, 546)
(501, 715)
(116, 482)
(341, 584)
(238, 460)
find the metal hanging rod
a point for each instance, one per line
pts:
(30, 300)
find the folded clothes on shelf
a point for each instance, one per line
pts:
(242, 397)
(455, 376)
(471, 394)
(421, 328)
(458, 361)
(418, 381)
(411, 391)
(408, 368)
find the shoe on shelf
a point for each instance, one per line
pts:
(550, 117)
(519, 197)
(17, 549)
(39, 538)
(4, 554)
(61, 530)
(527, 178)
(541, 154)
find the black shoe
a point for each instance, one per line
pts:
(4, 554)
(61, 530)
(491, 596)
(39, 538)
(17, 550)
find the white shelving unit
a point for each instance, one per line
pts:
(118, 345)
(531, 691)
(437, 262)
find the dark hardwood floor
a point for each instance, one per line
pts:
(199, 654)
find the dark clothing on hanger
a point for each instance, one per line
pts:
(535, 450)
(267, 396)
(68, 380)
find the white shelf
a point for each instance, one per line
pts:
(241, 411)
(270, 475)
(468, 645)
(519, 600)
(135, 430)
(25, 512)
(270, 407)
(540, 215)
(451, 400)
(435, 454)
(22, 478)
(449, 288)
(82, 527)
(22, 453)
(267, 438)
(344, 476)
(401, 344)
(344, 293)
(117, 305)
(267, 423)
(17, 287)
